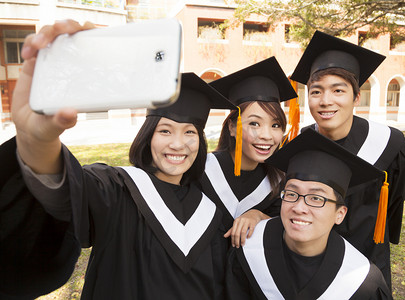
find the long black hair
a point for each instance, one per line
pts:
(140, 154)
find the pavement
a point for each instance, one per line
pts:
(106, 131)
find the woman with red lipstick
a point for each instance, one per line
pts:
(334, 71)
(298, 255)
(252, 196)
(154, 234)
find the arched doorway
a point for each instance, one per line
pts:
(216, 116)
(392, 100)
(210, 76)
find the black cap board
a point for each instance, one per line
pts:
(325, 51)
(195, 100)
(263, 81)
(313, 157)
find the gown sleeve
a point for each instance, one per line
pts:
(38, 252)
(374, 287)
(236, 281)
(396, 179)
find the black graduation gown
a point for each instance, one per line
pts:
(384, 147)
(134, 256)
(259, 270)
(235, 195)
(37, 252)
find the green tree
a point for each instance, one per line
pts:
(338, 18)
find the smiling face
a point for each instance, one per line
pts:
(307, 228)
(261, 135)
(331, 104)
(174, 147)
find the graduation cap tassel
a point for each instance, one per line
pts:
(294, 114)
(379, 230)
(238, 145)
(293, 117)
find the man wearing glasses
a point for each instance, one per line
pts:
(298, 255)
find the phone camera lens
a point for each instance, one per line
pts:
(159, 56)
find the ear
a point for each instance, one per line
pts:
(340, 214)
(232, 128)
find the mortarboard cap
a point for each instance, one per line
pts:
(195, 100)
(325, 51)
(313, 157)
(263, 81)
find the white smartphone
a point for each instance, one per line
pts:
(129, 66)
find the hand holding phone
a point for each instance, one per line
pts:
(131, 66)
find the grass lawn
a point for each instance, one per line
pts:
(117, 155)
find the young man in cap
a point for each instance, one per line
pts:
(298, 255)
(334, 70)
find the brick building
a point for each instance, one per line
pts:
(208, 50)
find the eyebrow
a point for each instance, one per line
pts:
(254, 116)
(164, 124)
(318, 86)
(311, 190)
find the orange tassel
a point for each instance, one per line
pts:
(293, 117)
(379, 230)
(238, 145)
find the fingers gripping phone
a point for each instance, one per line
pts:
(131, 66)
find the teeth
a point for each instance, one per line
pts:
(327, 113)
(176, 157)
(263, 147)
(300, 222)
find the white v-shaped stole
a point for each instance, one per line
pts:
(351, 275)
(375, 143)
(184, 236)
(254, 254)
(221, 186)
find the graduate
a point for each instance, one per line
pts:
(298, 255)
(253, 195)
(37, 251)
(154, 234)
(334, 71)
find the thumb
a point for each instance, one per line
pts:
(65, 118)
(228, 233)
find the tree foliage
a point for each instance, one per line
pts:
(338, 18)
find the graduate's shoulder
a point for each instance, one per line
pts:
(397, 135)
(375, 285)
(104, 172)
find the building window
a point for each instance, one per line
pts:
(393, 93)
(256, 32)
(301, 94)
(368, 40)
(365, 93)
(287, 35)
(397, 43)
(211, 29)
(13, 42)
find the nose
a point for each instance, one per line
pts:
(265, 133)
(177, 142)
(325, 98)
(300, 206)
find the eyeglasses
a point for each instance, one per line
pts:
(309, 199)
